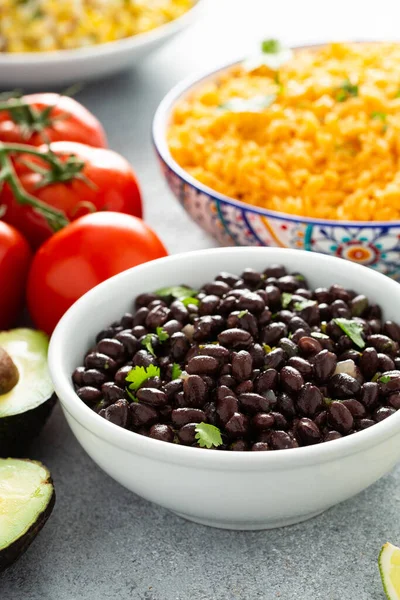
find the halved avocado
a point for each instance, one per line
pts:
(27, 498)
(25, 408)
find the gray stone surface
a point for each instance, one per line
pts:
(103, 542)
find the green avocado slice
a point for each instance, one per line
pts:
(27, 498)
(25, 408)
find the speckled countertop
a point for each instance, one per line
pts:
(103, 542)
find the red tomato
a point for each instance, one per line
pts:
(82, 255)
(33, 124)
(106, 182)
(15, 258)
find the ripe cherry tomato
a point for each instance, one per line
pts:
(15, 259)
(82, 255)
(39, 118)
(106, 182)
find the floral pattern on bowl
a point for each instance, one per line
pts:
(375, 245)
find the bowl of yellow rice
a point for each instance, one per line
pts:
(57, 42)
(297, 149)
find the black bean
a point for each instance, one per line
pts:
(151, 396)
(275, 270)
(217, 288)
(321, 419)
(288, 347)
(179, 311)
(343, 386)
(286, 405)
(307, 432)
(182, 416)
(394, 400)
(393, 383)
(392, 330)
(139, 331)
(96, 360)
(280, 421)
(325, 312)
(385, 363)
(143, 359)
(228, 278)
(244, 387)
(340, 417)
(356, 408)
(322, 294)
(209, 305)
(272, 333)
(112, 392)
(227, 304)
(161, 432)
(368, 362)
(365, 423)
(226, 407)
(111, 347)
(296, 323)
(227, 380)
(142, 414)
(252, 302)
(263, 421)
(382, 343)
(333, 330)
(219, 352)
(255, 403)
(298, 334)
(204, 327)
(358, 305)
(291, 380)
(202, 365)
(339, 293)
(268, 380)
(195, 391)
(374, 312)
(284, 316)
(238, 425)
(303, 292)
(242, 365)
(140, 317)
(343, 344)
(120, 375)
(172, 326)
(383, 413)
(340, 309)
(77, 375)
(156, 302)
(260, 447)
(350, 355)
(235, 338)
(105, 333)
(369, 394)
(280, 440)
(332, 435)
(239, 446)
(145, 299)
(324, 365)
(94, 378)
(310, 400)
(89, 395)
(275, 359)
(129, 341)
(157, 316)
(118, 413)
(210, 411)
(288, 283)
(274, 296)
(309, 346)
(187, 434)
(302, 365)
(179, 346)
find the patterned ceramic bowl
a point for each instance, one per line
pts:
(232, 222)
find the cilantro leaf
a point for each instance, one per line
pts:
(189, 300)
(131, 396)
(299, 277)
(271, 46)
(242, 313)
(384, 379)
(208, 435)
(286, 299)
(162, 334)
(319, 335)
(138, 375)
(352, 329)
(267, 348)
(147, 342)
(177, 291)
(376, 377)
(303, 304)
(273, 55)
(256, 104)
(176, 371)
(346, 90)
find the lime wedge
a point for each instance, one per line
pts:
(389, 567)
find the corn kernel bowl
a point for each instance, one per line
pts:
(375, 244)
(63, 67)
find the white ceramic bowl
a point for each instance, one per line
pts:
(84, 64)
(249, 490)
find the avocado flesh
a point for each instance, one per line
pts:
(24, 410)
(26, 500)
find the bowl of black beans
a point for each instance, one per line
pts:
(244, 388)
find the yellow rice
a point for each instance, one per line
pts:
(311, 152)
(45, 25)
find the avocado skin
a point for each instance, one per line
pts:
(18, 431)
(13, 552)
